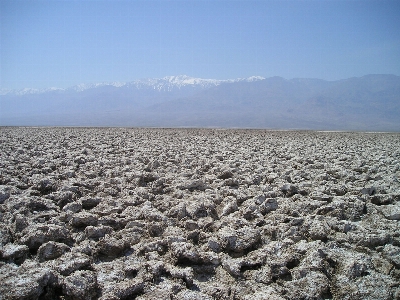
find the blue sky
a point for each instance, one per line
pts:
(64, 43)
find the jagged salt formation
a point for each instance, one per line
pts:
(92, 213)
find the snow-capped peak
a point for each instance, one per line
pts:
(254, 78)
(182, 80)
(167, 83)
(25, 91)
(82, 87)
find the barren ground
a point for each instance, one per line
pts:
(112, 213)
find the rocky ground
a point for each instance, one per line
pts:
(92, 213)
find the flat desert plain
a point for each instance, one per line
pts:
(121, 213)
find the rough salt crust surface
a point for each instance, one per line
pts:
(118, 213)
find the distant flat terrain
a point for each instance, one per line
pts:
(119, 213)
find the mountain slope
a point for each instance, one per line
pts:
(371, 102)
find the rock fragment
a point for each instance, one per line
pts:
(391, 212)
(70, 262)
(4, 193)
(83, 219)
(89, 203)
(37, 235)
(80, 285)
(14, 253)
(392, 253)
(94, 232)
(29, 281)
(51, 250)
(111, 247)
(239, 240)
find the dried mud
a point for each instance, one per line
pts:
(116, 213)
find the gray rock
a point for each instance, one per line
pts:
(214, 245)
(45, 186)
(200, 209)
(185, 252)
(239, 240)
(229, 207)
(289, 190)
(185, 273)
(191, 225)
(35, 236)
(111, 247)
(14, 253)
(5, 236)
(74, 207)
(368, 239)
(232, 266)
(21, 222)
(192, 295)
(93, 232)
(29, 281)
(368, 191)
(125, 289)
(319, 229)
(193, 185)
(392, 253)
(225, 174)
(263, 275)
(391, 212)
(382, 199)
(89, 203)
(51, 250)
(84, 219)
(4, 193)
(250, 210)
(178, 211)
(268, 205)
(266, 293)
(70, 262)
(130, 236)
(371, 287)
(313, 286)
(155, 229)
(80, 285)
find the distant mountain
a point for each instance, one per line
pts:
(371, 102)
(166, 84)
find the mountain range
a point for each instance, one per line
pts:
(368, 103)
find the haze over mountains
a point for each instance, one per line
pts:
(370, 103)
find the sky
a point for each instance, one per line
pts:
(64, 43)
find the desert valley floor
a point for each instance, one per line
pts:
(121, 213)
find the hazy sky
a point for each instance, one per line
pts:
(63, 43)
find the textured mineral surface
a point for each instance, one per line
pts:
(119, 213)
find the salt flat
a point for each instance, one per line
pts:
(119, 213)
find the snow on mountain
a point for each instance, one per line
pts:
(167, 83)
(26, 91)
(364, 103)
(254, 78)
(170, 83)
(82, 87)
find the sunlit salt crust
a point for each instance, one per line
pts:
(119, 213)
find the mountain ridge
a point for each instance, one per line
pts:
(164, 83)
(367, 103)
